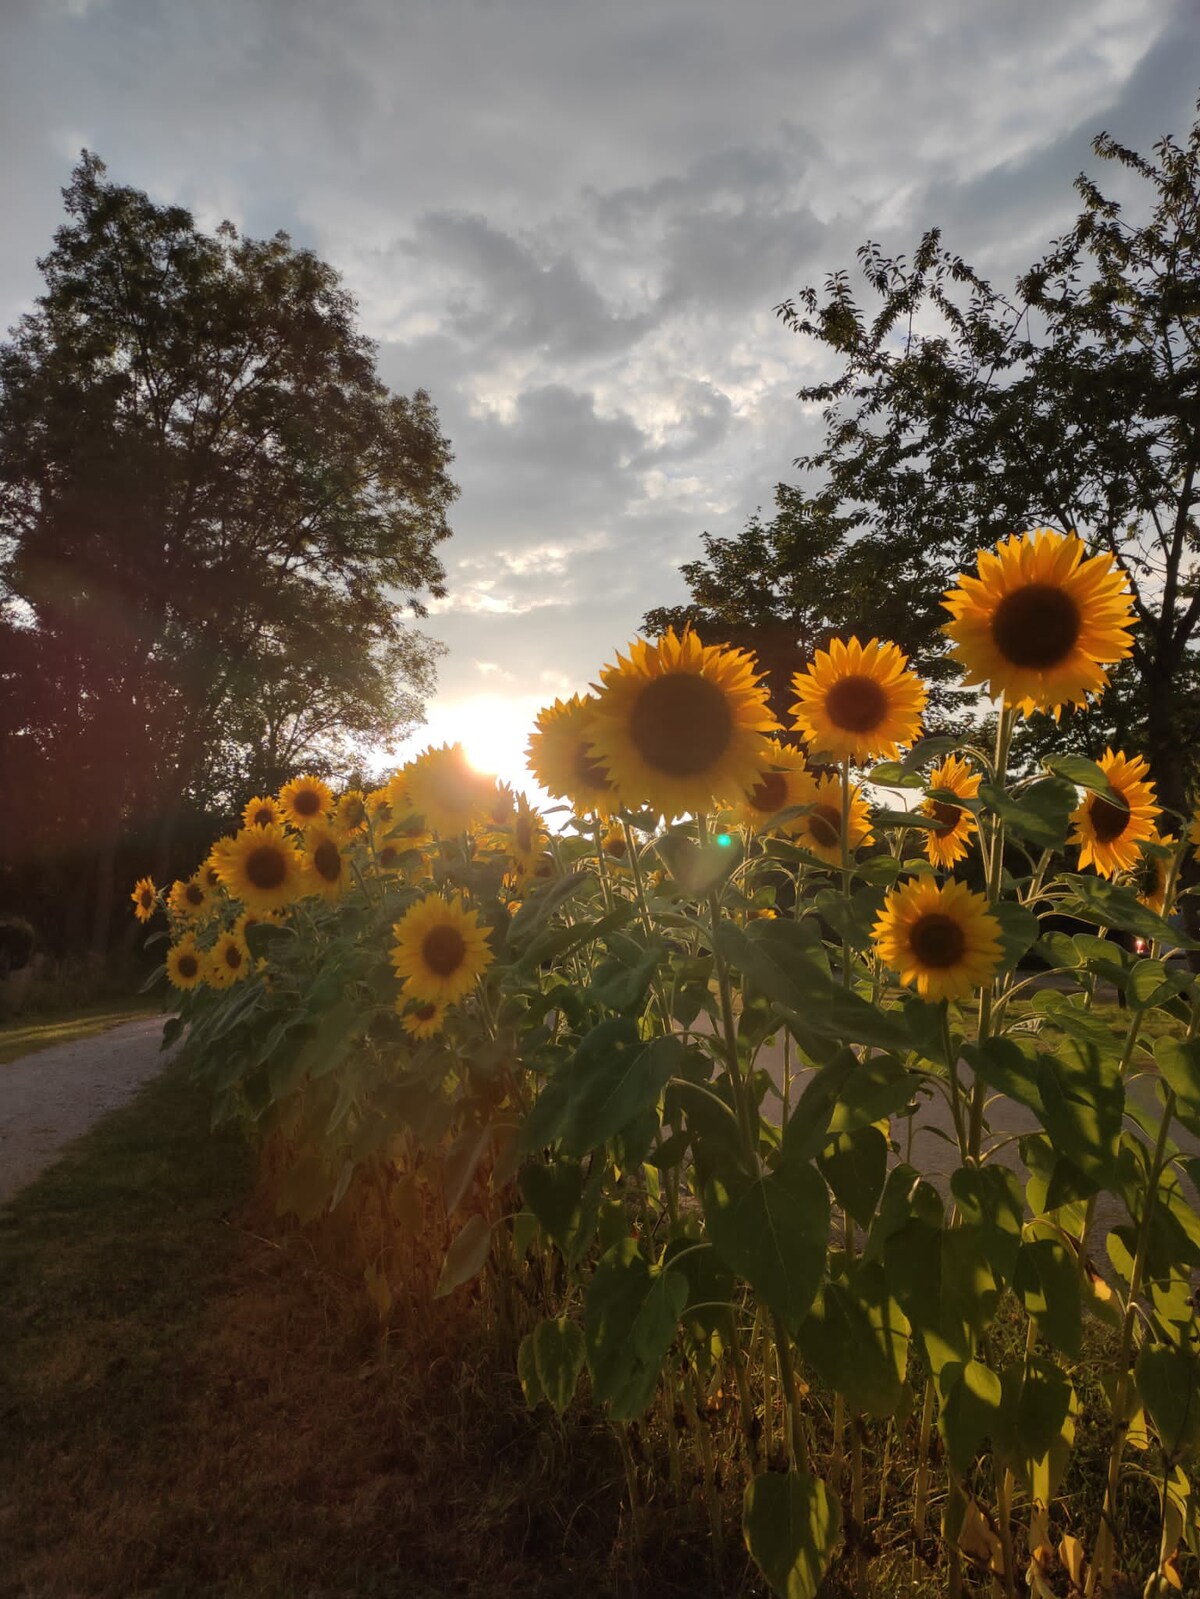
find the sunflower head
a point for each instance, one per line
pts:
(679, 724)
(950, 839)
(229, 961)
(1153, 871)
(446, 790)
(857, 701)
(262, 811)
(263, 869)
(1109, 829)
(145, 898)
(820, 830)
(379, 803)
(1041, 621)
(941, 940)
(422, 1018)
(325, 862)
(561, 758)
(350, 812)
(191, 899)
(440, 950)
(185, 963)
(784, 780)
(305, 800)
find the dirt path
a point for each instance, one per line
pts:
(49, 1098)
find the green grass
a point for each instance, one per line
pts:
(22, 1036)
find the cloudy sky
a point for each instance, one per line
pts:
(571, 222)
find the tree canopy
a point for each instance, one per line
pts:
(961, 414)
(214, 521)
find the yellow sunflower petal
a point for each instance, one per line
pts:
(145, 898)
(560, 757)
(820, 830)
(263, 869)
(305, 800)
(440, 950)
(951, 839)
(783, 781)
(185, 963)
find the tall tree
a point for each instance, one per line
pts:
(214, 518)
(961, 414)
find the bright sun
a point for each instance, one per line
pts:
(493, 730)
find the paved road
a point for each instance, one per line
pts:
(54, 1096)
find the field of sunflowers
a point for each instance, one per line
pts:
(642, 1089)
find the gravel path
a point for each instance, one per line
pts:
(54, 1096)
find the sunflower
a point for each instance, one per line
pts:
(1041, 621)
(528, 835)
(263, 868)
(1194, 835)
(440, 950)
(262, 812)
(500, 807)
(949, 840)
(820, 830)
(942, 940)
(350, 812)
(1109, 831)
(1153, 869)
(681, 723)
(423, 1019)
(784, 780)
(326, 866)
(185, 964)
(858, 700)
(446, 789)
(379, 804)
(305, 800)
(228, 961)
(189, 899)
(559, 756)
(145, 898)
(615, 845)
(253, 918)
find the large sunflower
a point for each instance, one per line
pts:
(942, 941)
(560, 756)
(185, 963)
(229, 961)
(446, 789)
(325, 862)
(857, 701)
(950, 839)
(440, 950)
(680, 724)
(783, 780)
(263, 868)
(1041, 621)
(305, 800)
(820, 830)
(1108, 831)
(145, 898)
(262, 811)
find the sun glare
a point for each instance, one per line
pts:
(493, 730)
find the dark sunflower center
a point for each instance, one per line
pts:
(1109, 818)
(210, 876)
(383, 812)
(263, 816)
(946, 817)
(523, 835)
(354, 811)
(425, 1013)
(443, 950)
(147, 899)
(327, 860)
(188, 966)
(616, 845)
(937, 940)
(389, 855)
(681, 724)
(307, 802)
(856, 704)
(194, 894)
(825, 825)
(589, 773)
(266, 867)
(1036, 626)
(233, 957)
(769, 795)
